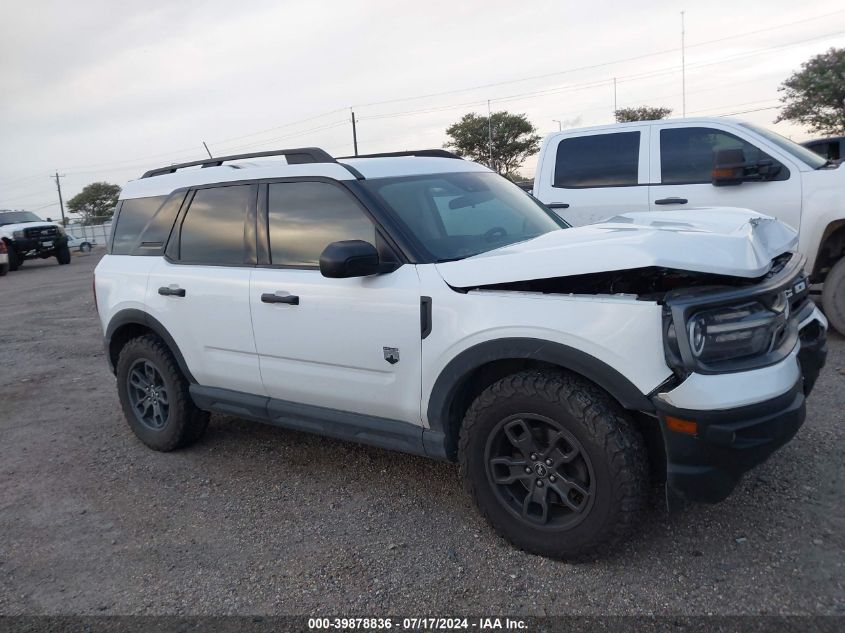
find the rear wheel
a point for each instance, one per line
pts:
(154, 396)
(833, 296)
(553, 463)
(63, 254)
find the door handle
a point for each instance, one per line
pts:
(269, 297)
(558, 205)
(171, 292)
(671, 201)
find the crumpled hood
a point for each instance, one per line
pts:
(718, 240)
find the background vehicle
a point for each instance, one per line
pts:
(4, 258)
(81, 244)
(29, 237)
(830, 148)
(587, 175)
(425, 304)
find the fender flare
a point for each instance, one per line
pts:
(132, 316)
(591, 368)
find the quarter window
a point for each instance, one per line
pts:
(599, 160)
(213, 228)
(134, 215)
(305, 217)
(686, 154)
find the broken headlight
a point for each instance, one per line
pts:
(738, 331)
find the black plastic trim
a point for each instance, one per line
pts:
(450, 379)
(131, 316)
(343, 425)
(425, 317)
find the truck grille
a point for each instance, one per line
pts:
(39, 232)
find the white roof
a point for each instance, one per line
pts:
(245, 170)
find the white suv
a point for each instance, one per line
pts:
(422, 303)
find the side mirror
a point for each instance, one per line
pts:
(728, 167)
(351, 258)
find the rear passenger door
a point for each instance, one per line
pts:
(200, 290)
(590, 176)
(352, 345)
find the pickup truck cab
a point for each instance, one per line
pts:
(588, 175)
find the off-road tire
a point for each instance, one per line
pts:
(614, 446)
(4, 268)
(63, 255)
(185, 422)
(833, 296)
(14, 261)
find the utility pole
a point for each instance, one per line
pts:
(490, 134)
(559, 124)
(61, 203)
(354, 132)
(683, 69)
(207, 150)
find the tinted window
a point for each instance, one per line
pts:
(213, 228)
(600, 160)
(686, 154)
(305, 217)
(134, 215)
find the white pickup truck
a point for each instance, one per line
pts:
(590, 174)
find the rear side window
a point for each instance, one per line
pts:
(686, 154)
(305, 217)
(133, 217)
(600, 160)
(213, 228)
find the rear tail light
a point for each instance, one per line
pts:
(3, 248)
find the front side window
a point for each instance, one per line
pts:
(457, 215)
(213, 228)
(598, 160)
(305, 217)
(686, 154)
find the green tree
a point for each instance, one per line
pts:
(513, 140)
(815, 95)
(95, 203)
(641, 113)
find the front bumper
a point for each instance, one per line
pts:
(38, 247)
(706, 465)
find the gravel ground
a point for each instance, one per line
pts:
(259, 520)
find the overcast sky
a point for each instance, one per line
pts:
(103, 90)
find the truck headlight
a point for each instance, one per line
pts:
(732, 332)
(17, 235)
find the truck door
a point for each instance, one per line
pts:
(589, 176)
(682, 168)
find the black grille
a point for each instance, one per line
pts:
(38, 232)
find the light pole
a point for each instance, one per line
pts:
(559, 124)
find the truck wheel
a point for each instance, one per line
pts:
(554, 463)
(833, 296)
(154, 396)
(14, 261)
(4, 268)
(63, 255)
(84, 247)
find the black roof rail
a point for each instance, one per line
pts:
(296, 156)
(431, 153)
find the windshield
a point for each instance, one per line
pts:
(13, 217)
(798, 151)
(458, 215)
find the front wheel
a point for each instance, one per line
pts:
(85, 247)
(14, 261)
(833, 296)
(554, 463)
(4, 268)
(63, 255)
